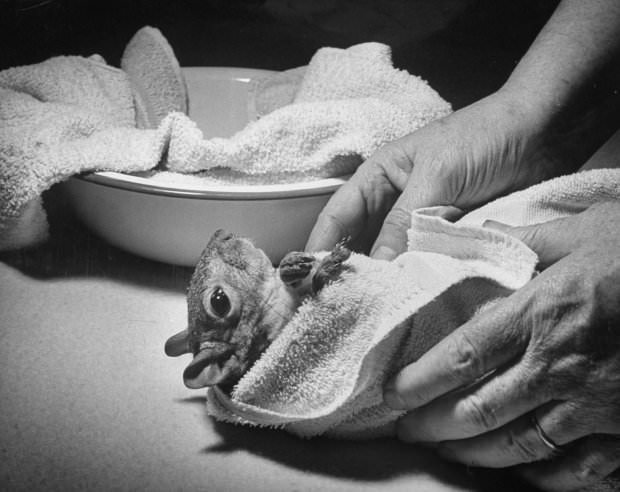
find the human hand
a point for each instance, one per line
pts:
(463, 160)
(547, 354)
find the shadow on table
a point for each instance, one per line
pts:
(73, 251)
(373, 460)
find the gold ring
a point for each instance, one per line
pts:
(546, 440)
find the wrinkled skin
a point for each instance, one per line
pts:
(551, 349)
(478, 153)
(238, 303)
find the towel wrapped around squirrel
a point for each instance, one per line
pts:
(321, 370)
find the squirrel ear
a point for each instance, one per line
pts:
(178, 344)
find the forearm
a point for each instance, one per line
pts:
(569, 80)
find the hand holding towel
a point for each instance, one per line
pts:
(324, 374)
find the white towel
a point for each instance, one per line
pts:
(155, 75)
(69, 115)
(346, 104)
(550, 200)
(325, 372)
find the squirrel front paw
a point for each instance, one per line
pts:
(295, 267)
(330, 267)
(307, 274)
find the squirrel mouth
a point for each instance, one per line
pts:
(208, 366)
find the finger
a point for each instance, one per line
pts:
(392, 239)
(568, 421)
(584, 464)
(489, 340)
(359, 206)
(342, 217)
(513, 444)
(419, 192)
(519, 441)
(490, 404)
(552, 240)
(447, 212)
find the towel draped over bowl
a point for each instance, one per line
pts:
(70, 115)
(325, 372)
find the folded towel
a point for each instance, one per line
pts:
(550, 200)
(325, 372)
(270, 93)
(347, 103)
(68, 115)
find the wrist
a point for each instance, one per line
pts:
(567, 83)
(566, 129)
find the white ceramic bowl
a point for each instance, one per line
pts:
(172, 222)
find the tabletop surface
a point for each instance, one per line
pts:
(90, 401)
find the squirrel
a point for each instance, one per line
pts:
(238, 303)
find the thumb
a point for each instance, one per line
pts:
(420, 192)
(392, 239)
(551, 241)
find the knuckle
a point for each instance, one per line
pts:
(398, 218)
(532, 235)
(374, 186)
(522, 448)
(601, 456)
(393, 158)
(415, 398)
(477, 413)
(331, 217)
(589, 471)
(463, 358)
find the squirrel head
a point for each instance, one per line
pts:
(237, 304)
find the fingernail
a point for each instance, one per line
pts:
(392, 399)
(383, 253)
(494, 224)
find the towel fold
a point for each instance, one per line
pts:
(325, 372)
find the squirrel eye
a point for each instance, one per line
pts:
(220, 302)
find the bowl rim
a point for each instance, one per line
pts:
(138, 184)
(212, 191)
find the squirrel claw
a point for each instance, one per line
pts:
(330, 267)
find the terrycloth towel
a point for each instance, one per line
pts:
(156, 78)
(325, 372)
(69, 115)
(550, 200)
(346, 104)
